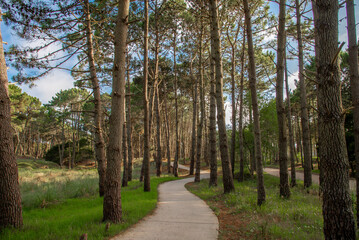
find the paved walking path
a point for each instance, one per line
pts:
(300, 176)
(179, 215)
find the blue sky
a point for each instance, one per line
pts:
(47, 86)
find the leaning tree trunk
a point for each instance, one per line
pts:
(98, 112)
(10, 199)
(146, 150)
(112, 207)
(282, 135)
(216, 55)
(212, 128)
(337, 204)
(303, 105)
(354, 84)
(252, 84)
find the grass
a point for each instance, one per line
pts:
(63, 204)
(300, 217)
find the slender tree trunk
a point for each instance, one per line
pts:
(240, 125)
(112, 207)
(337, 204)
(158, 117)
(252, 82)
(216, 55)
(146, 150)
(201, 119)
(128, 122)
(10, 199)
(167, 130)
(194, 120)
(293, 181)
(233, 85)
(125, 163)
(212, 128)
(175, 164)
(98, 112)
(282, 135)
(303, 105)
(354, 84)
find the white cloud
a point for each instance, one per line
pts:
(48, 86)
(291, 78)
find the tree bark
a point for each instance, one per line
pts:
(337, 204)
(175, 164)
(212, 128)
(167, 130)
(240, 124)
(194, 120)
(112, 207)
(128, 122)
(354, 84)
(293, 181)
(98, 112)
(252, 84)
(125, 162)
(146, 150)
(303, 105)
(158, 137)
(282, 135)
(216, 55)
(10, 199)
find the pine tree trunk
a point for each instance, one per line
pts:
(252, 84)
(98, 112)
(282, 135)
(194, 120)
(128, 122)
(293, 180)
(303, 105)
(233, 136)
(175, 164)
(10, 199)
(167, 130)
(354, 84)
(112, 207)
(216, 55)
(146, 150)
(240, 124)
(201, 119)
(125, 163)
(337, 204)
(158, 117)
(212, 128)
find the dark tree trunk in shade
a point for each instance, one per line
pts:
(158, 137)
(175, 164)
(303, 105)
(167, 130)
(337, 204)
(282, 135)
(194, 120)
(125, 159)
(128, 123)
(252, 83)
(354, 84)
(212, 129)
(228, 184)
(146, 150)
(201, 119)
(112, 207)
(10, 199)
(240, 125)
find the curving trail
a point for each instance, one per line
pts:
(179, 215)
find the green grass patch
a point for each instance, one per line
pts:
(299, 217)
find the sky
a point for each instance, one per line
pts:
(57, 80)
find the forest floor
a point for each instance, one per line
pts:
(64, 204)
(299, 217)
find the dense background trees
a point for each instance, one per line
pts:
(191, 66)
